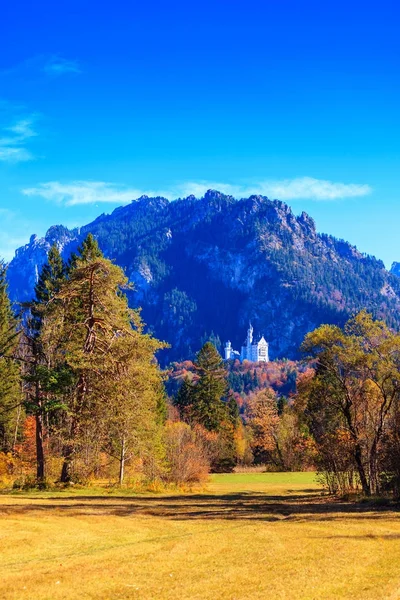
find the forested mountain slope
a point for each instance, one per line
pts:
(212, 264)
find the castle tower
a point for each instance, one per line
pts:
(251, 350)
(250, 335)
(228, 351)
(262, 350)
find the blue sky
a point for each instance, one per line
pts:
(100, 102)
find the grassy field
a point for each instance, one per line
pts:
(247, 536)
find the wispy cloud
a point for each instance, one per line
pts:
(56, 65)
(96, 192)
(307, 188)
(13, 144)
(315, 189)
(14, 154)
(43, 65)
(23, 128)
(83, 192)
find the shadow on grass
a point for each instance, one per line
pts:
(233, 507)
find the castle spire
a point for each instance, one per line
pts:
(250, 334)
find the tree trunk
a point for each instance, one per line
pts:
(366, 488)
(282, 464)
(66, 471)
(373, 470)
(40, 456)
(357, 451)
(15, 438)
(122, 463)
(69, 448)
(68, 453)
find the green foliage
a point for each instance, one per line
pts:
(45, 382)
(87, 251)
(204, 402)
(116, 399)
(10, 394)
(214, 339)
(184, 400)
(208, 408)
(233, 410)
(51, 277)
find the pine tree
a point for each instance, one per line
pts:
(10, 400)
(115, 398)
(87, 251)
(51, 277)
(44, 381)
(208, 408)
(184, 400)
(233, 410)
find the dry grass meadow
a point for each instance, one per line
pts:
(246, 536)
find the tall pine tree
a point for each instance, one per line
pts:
(43, 379)
(10, 391)
(206, 397)
(115, 397)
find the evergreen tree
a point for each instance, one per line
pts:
(208, 407)
(45, 382)
(184, 400)
(51, 277)
(10, 400)
(233, 410)
(87, 251)
(204, 403)
(116, 396)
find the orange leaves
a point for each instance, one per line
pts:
(262, 417)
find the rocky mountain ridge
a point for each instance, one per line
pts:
(395, 269)
(212, 264)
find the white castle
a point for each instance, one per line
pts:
(255, 352)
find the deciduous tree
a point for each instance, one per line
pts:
(356, 387)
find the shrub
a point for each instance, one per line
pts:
(186, 454)
(9, 467)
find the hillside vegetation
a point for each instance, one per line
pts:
(211, 264)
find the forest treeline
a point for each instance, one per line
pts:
(82, 395)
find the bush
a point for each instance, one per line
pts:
(186, 454)
(9, 467)
(336, 469)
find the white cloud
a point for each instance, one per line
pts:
(47, 64)
(56, 65)
(315, 189)
(83, 192)
(12, 147)
(14, 155)
(23, 129)
(307, 188)
(96, 192)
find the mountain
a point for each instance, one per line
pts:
(395, 269)
(209, 265)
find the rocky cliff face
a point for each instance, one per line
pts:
(25, 267)
(211, 265)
